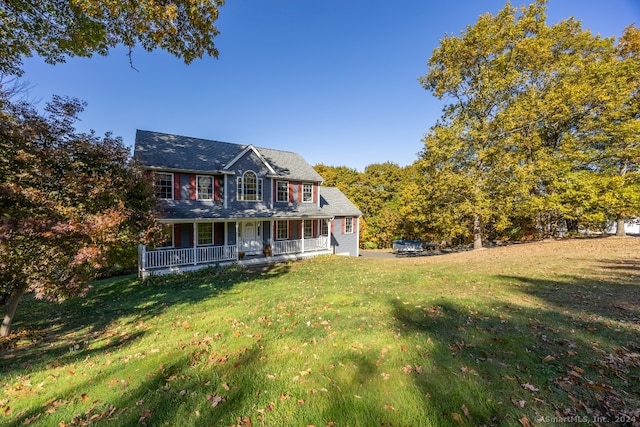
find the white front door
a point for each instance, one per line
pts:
(250, 237)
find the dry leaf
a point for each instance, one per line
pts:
(519, 403)
(457, 417)
(530, 387)
(465, 411)
(225, 386)
(525, 422)
(389, 408)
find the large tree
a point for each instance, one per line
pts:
(55, 29)
(521, 138)
(68, 202)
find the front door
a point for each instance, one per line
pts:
(250, 238)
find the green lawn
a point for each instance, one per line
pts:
(528, 334)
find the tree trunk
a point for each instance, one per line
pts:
(14, 299)
(477, 233)
(620, 227)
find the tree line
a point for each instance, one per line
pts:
(540, 133)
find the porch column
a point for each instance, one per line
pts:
(272, 233)
(142, 259)
(328, 234)
(237, 240)
(195, 243)
(302, 224)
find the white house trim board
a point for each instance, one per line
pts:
(245, 151)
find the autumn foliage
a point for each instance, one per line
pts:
(69, 202)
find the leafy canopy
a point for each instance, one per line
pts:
(55, 29)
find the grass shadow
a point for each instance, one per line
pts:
(46, 332)
(487, 364)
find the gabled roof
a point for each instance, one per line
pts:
(176, 152)
(333, 202)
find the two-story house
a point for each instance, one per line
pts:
(224, 202)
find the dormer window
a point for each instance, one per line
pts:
(249, 187)
(307, 193)
(163, 185)
(205, 188)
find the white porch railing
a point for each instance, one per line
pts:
(162, 258)
(166, 258)
(281, 247)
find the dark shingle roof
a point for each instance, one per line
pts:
(333, 202)
(166, 151)
(202, 209)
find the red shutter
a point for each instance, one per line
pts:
(190, 229)
(177, 235)
(218, 233)
(192, 187)
(299, 192)
(290, 187)
(216, 188)
(176, 186)
(315, 193)
(274, 194)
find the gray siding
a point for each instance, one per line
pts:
(249, 162)
(344, 243)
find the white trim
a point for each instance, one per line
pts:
(240, 187)
(277, 191)
(302, 195)
(245, 151)
(213, 186)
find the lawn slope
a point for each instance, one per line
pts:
(525, 335)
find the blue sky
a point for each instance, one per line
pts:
(334, 80)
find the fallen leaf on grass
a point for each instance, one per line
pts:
(457, 417)
(525, 422)
(389, 408)
(465, 411)
(530, 387)
(519, 403)
(215, 399)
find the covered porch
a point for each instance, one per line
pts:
(205, 243)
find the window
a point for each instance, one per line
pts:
(205, 233)
(282, 191)
(308, 228)
(324, 228)
(307, 192)
(348, 225)
(282, 230)
(163, 185)
(249, 187)
(205, 188)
